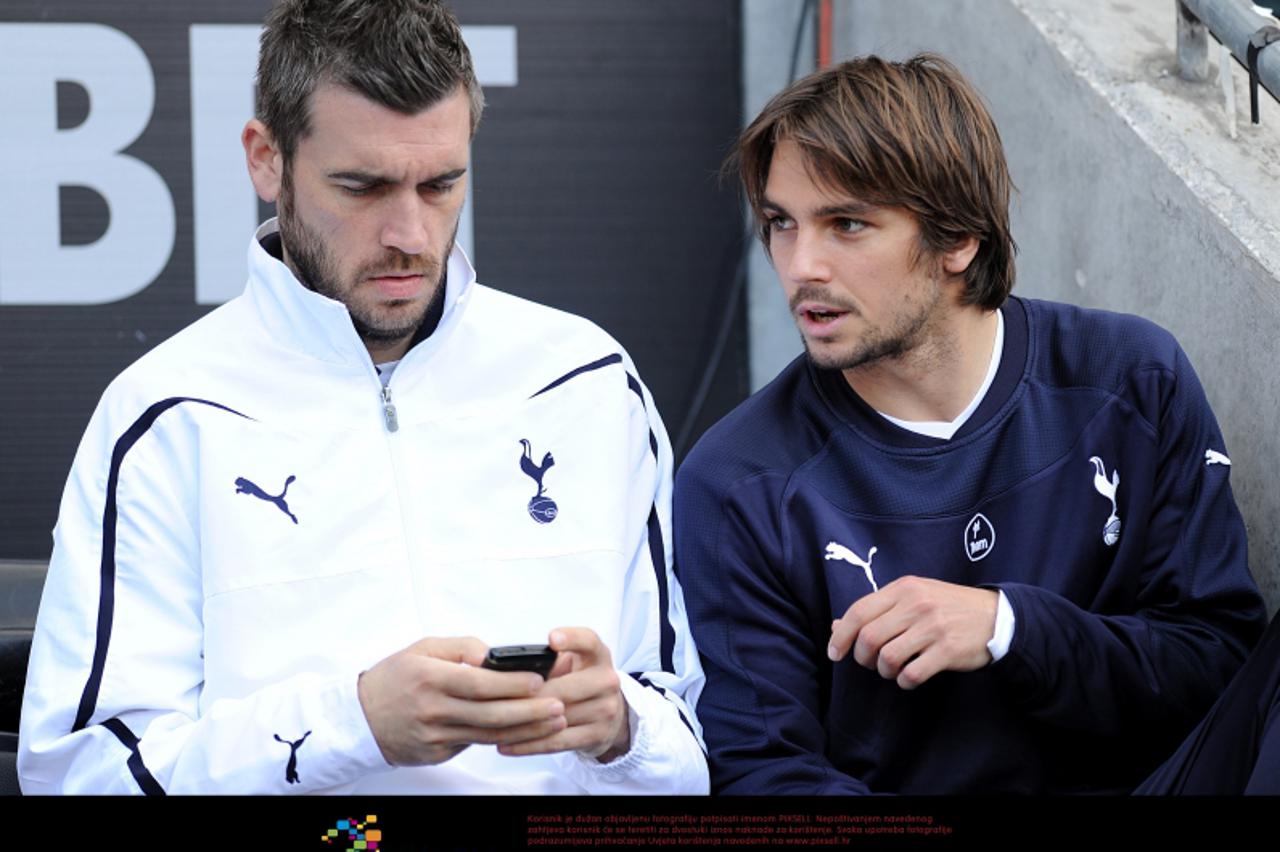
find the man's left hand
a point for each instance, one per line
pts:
(585, 681)
(915, 627)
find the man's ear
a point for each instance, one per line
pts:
(956, 259)
(266, 165)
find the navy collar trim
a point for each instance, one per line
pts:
(855, 412)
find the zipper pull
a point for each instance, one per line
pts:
(389, 410)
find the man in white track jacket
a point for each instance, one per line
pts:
(271, 510)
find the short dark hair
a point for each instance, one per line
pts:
(912, 134)
(404, 54)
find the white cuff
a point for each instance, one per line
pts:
(351, 728)
(1002, 638)
(620, 767)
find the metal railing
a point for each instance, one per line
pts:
(1252, 38)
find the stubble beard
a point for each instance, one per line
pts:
(904, 336)
(314, 266)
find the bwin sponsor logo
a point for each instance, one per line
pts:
(541, 509)
(244, 486)
(835, 550)
(979, 537)
(1107, 488)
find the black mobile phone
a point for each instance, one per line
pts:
(521, 658)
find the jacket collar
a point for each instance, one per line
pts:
(320, 327)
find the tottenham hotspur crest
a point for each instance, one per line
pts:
(541, 509)
(1107, 488)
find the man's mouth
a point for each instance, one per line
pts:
(823, 316)
(399, 274)
(399, 285)
(819, 314)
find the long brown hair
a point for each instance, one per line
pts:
(912, 134)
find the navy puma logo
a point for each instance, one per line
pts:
(541, 509)
(291, 770)
(244, 486)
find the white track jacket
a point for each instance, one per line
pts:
(250, 522)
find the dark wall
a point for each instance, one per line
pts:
(596, 191)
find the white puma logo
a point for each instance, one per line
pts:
(839, 551)
(1215, 457)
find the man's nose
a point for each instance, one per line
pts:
(807, 260)
(407, 225)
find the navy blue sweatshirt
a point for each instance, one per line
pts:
(1091, 485)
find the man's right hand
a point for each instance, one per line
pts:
(424, 708)
(915, 627)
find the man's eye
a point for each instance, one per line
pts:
(849, 226)
(779, 223)
(443, 188)
(360, 189)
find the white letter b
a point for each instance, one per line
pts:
(35, 268)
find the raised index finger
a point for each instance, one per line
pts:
(844, 630)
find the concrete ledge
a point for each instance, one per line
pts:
(1126, 53)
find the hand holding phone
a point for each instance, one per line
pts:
(429, 701)
(594, 706)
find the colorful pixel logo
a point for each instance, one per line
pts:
(357, 834)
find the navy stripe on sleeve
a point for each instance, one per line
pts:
(107, 578)
(141, 774)
(639, 678)
(666, 633)
(634, 384)
(615, 358)
(658, 555)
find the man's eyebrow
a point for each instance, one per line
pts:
(375, 179)
(847, 208)
(446, 177)
(358, 177)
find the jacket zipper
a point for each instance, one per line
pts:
(389, 410)
(391, 421)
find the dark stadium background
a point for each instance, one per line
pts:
(596, 185)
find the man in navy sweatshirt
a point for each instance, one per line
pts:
(969, 542)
